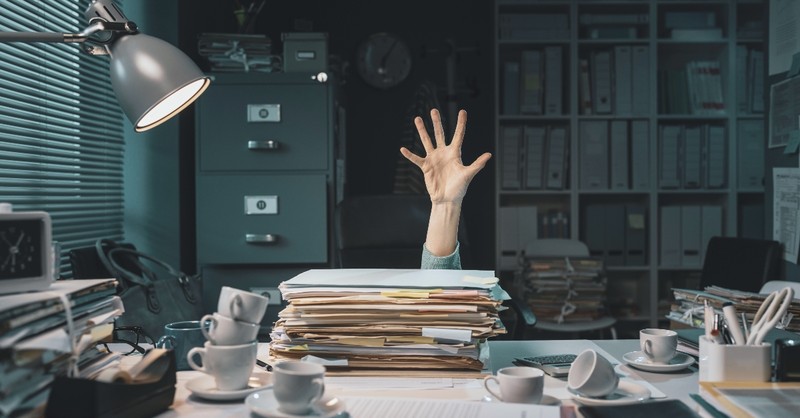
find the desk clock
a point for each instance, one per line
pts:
(26, 259)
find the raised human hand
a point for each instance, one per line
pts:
(446, 176)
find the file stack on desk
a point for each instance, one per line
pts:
(564, 289)
(381, 321)
(35, 341)
(748, 303)
(687, 308)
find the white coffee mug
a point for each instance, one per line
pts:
(592, 375)
(517, 384)
(242, 305)
(297, 384)
(659, 345)
(227, 331)
(230, 365)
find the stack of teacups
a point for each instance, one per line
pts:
(230, 352)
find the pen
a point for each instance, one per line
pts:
(708, 316)
(716, 413)
(744, 326)
(733, 323)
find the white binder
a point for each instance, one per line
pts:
(594, 155)
(622, 80)
(669, 157)
(619, 155)
(534, 156)
(557, 145)
(510, 172)
(692, 157)
(640, 155)
(553, 81)
(531, 99)
(640, 79)
(601, 82)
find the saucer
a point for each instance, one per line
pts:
(205, 387)
(550, 400)
(627, 392)
(638, 360)
(263, 403)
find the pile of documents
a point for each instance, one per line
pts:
(361, 320)
(688, 306)
(233, 52)
(50, 333)
(563, 289)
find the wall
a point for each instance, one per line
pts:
(152, 165)
(375, 118)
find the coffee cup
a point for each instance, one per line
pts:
(181, 337)
(592, 375)
(230, 365)
(242, 305)
(297, 384)
(226, 331)
(517, 384)
(659, 345)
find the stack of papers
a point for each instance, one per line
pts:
(35, 345)
(563, 289)
(388, 319)
(233, 52)
(688, 306)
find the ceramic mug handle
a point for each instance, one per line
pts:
(162, 342)
(486, 385)
(208, 318)
(647, 347)
(320, 384)
(200, 351)
(235, 307)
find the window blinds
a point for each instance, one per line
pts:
(61, 136)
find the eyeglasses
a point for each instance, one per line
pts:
(133, 336)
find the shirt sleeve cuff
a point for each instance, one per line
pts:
(449, 262)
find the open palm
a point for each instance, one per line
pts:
(446, 177)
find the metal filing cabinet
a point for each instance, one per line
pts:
(265, 161)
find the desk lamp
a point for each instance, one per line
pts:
(152, 79)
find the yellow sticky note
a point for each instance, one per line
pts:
(363, 341)
(411, 339)
(636, 221)
(301, 347)
(413, 294)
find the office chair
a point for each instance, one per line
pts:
(740, 263)
(559, 247)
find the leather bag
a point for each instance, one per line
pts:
(153, 293)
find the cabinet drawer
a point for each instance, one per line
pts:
(263, 127)
(262, 219)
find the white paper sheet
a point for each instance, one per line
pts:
(425, 408)
(784, 34)
(396, 278)
(786, 210)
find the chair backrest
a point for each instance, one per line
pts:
(384, 231)
(549, 247)
(740, 263)
(777, 285)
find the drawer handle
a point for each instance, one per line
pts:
(261, 238)
(263, 145)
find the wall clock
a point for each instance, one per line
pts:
(26, 258)
(383, 60)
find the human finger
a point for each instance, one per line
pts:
(461, 127)
(423, 135)
(478, 164)
(410, 156)
(438, 130)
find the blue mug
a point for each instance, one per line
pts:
(181, 337)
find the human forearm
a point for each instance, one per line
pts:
(443, 228)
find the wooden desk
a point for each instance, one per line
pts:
(675, 385)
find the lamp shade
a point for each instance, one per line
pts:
(153, 80)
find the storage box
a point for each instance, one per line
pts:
(305, 52)
(734, 363)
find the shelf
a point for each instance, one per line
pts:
(532, 42)
(659, 137)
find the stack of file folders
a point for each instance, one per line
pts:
(40, 339)
(563, 289)
(688, 306)
(387, 320)
(232, 52)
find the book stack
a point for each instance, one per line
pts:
(53, 333)
(564, 289)
(379, 321)
(232, 52)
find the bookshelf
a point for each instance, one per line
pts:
(636, 127)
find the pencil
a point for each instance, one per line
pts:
(716, 413)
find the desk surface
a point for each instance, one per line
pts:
(677, 385)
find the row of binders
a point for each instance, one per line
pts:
(387, 321)
(53, 333)
(533, 82)
(695, 89)
(749, 80)
(534, 157)
(533, 26)
(692, 157)
(520, 225)
(615, 81)
(617, 233)
(685, 232)
(614, 155)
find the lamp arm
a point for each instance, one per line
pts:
(94, 27)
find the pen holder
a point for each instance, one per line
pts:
(727, 362)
